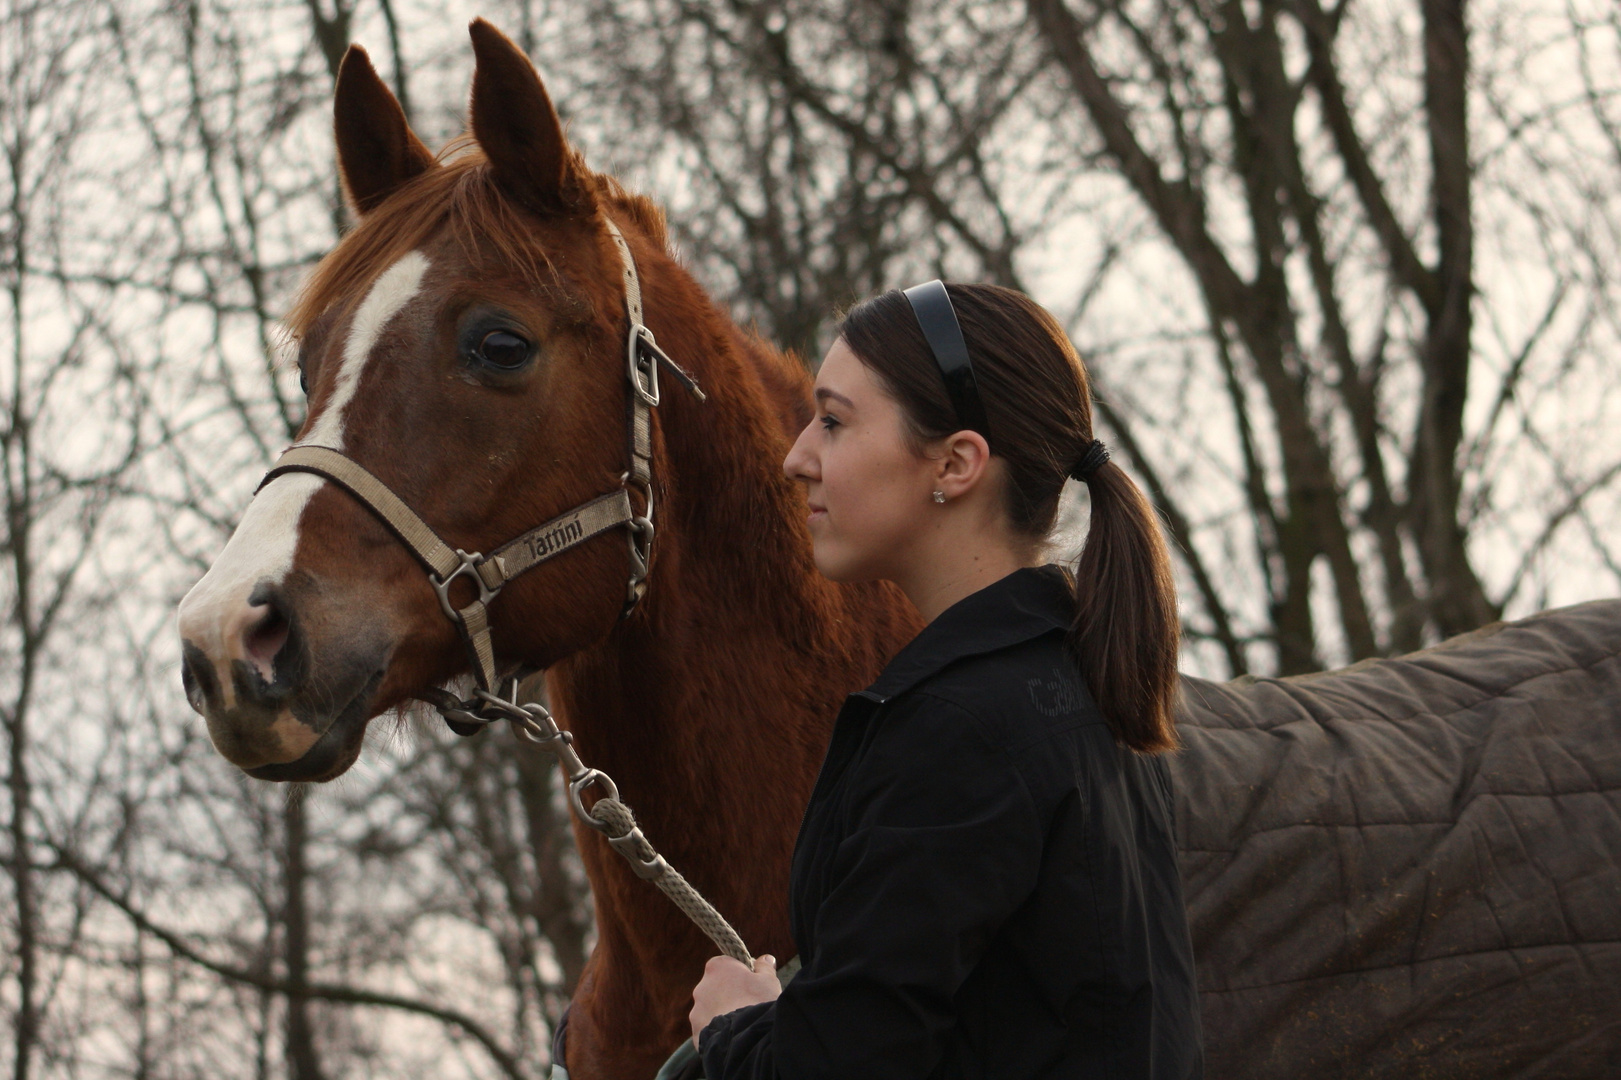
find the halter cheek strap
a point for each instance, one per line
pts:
(489, 574)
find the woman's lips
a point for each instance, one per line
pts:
(817, 513)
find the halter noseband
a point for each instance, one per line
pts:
(490, 573)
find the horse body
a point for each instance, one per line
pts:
(710, 701)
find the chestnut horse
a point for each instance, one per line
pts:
(465, 344)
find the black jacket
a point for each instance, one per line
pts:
(985, 884)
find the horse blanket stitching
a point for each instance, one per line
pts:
(1412, 867)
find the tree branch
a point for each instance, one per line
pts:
(1177, 206)
(1324, 76)
(1181, 532)
(340, 994)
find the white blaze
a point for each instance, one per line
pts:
(262, 547)
(388, 295)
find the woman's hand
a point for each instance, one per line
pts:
(728, 985)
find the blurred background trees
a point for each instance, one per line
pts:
(1346, 276)
(1263, 222)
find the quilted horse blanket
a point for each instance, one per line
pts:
(1412, 867)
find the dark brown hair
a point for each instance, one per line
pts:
(1125, 633)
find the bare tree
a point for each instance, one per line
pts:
(58, 478)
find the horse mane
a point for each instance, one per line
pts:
(641, 210)
(785, 377)
(460, 194)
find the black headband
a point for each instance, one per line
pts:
(935, 315)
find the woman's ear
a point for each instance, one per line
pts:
(963, 464)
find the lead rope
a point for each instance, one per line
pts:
(533, 723)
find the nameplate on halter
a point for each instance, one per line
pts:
(563, 532)
(554, 539)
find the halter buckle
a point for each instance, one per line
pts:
(640, 534)
(642, 364)
(468, 568)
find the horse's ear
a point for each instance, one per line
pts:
(377, 151)
(517, 127)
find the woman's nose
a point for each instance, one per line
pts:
(800, 464)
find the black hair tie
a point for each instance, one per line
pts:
(1090, 462)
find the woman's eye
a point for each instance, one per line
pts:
(503, 350)
(830, 422)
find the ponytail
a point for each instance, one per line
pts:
(1126, 632)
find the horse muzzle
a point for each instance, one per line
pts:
(249, 668)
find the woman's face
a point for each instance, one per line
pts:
(869, 493)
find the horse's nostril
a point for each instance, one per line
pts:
(262, 640)
(194, 690)
(197, 675)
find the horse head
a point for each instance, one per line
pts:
(465, 344)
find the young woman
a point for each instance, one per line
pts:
(985, 883)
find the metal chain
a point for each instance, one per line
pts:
(533, 723)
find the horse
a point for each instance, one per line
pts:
(465, 345)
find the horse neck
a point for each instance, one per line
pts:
(710, 705)
(732, 668)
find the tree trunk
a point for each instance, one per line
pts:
(22, 877)
(1457, 601)
(303, 1060)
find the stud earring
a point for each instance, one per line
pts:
(939, 496)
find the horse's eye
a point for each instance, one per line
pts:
(503, 350)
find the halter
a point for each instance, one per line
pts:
(491, 573)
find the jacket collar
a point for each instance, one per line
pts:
(1027, 604)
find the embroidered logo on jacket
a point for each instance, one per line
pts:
(1056, 696)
